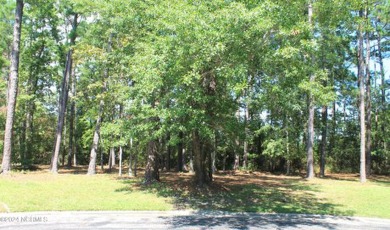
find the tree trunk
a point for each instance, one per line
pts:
(95, 141)
(333, 130)
(61, 113)
(324, 115)
(12, 89)
(201, 177)
(151, 169)
(368, 108)
(310, 122)
(64, 146)
(180, 152)
(29, 134)
(190, 167)
(113, 157)
(169, 152)
(111, 160)
(246, 120)
(101, 158)
(71, 151)
(96, 134)
(361, 102)
(63, 100)
(213, 154)
(131, 158)
(288, 155)
(28, 142)
(236, 150)
(135, 164)
(120, 160)
(382, 73)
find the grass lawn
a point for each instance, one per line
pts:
(46, 192)
(253, 192)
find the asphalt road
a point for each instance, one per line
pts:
(182, 220)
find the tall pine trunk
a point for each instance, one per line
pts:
(361, 102)
(368, 105)
(63, 99)
(382, 73)
(310, 122)
(71, 151)
(12, 89)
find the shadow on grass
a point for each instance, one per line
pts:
(383, 182)
(232, 201)
(240, 193)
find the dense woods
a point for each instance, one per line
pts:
(280, 86)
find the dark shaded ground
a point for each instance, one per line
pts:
(239, 192)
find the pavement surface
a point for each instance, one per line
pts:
(182, 220)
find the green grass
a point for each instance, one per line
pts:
(371, 199)
(279, 194)
(46, 192)
(242, 192)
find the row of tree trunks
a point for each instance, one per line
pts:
(12, 89)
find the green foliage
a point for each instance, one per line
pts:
(169, 67)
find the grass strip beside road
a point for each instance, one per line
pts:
(241, 192)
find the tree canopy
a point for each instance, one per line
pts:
(236, 84)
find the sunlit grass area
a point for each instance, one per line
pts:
(240, 192)
(371, 199)
(43, 191)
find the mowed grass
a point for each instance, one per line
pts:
(47, 192)
(249, 192)
(371, 199)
